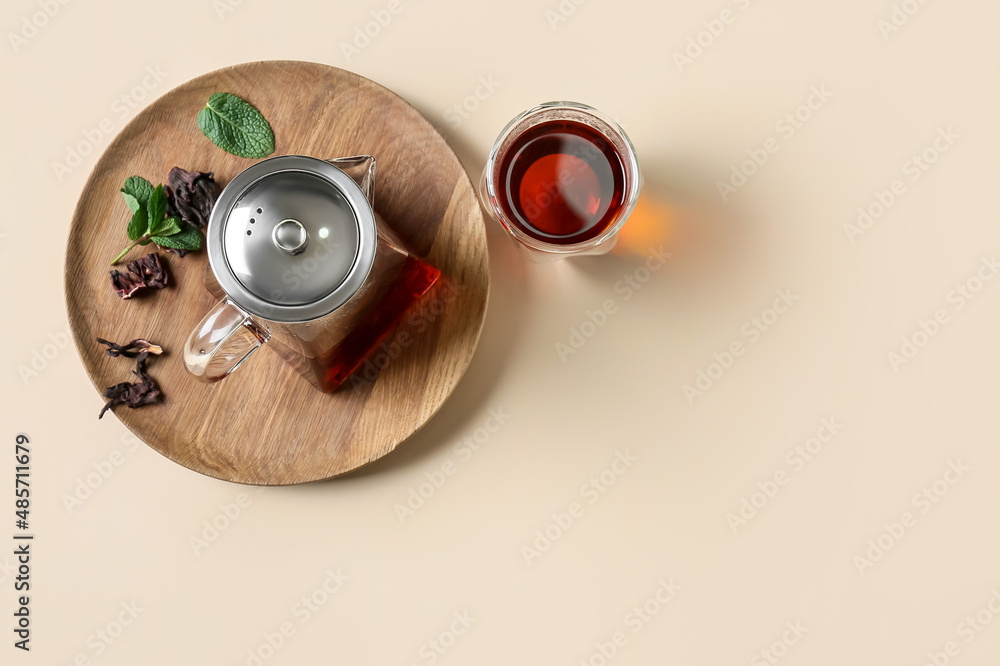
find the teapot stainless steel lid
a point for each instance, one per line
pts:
(291, 238)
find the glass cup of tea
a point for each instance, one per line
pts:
(561, 178)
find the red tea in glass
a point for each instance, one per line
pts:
(561, 179)
(562, 182)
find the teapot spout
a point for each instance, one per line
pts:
(361, 169)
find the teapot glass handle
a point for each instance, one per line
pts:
(222, 341)
(361, 169)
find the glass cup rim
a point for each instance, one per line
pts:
(628, 202)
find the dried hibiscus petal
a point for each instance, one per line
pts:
(116, 395)
(135, 394)
(145, 272)
(131, 349)
(150, 270)
(124, 284)
(176, 250)
(191, 196)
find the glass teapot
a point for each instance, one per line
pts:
(305, 265)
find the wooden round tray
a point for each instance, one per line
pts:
(266, 424)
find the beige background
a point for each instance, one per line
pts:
(665, 517)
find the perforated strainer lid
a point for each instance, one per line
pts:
(291, 238)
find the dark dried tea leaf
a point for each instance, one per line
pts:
(191, 196)
(134, 394)
(147, 271)
(131, 349)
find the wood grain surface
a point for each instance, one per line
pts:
(265, 424)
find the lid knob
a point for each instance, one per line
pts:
(290, 236)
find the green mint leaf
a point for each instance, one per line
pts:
(171, 226)
(137, 191)
(189, 238)
(132, 202)
(156, 207)
(145, 242)
(139, 224)
(234, 125)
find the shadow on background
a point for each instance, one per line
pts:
(678, 210)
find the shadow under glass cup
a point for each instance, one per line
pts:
(561, 178)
